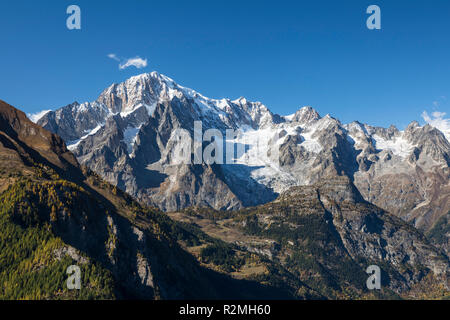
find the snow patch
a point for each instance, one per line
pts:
(72, 145)
(150, 109)
(311, 144)
(398, 145)
(129, 137)
(289, 117)
(257, 156)
(35, 117)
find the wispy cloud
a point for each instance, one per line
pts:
(113, 56)
(136, 62)
(438, 120)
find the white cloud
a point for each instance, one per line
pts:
(38, 115)
(113, 56)
(438, 120)
(137, 62)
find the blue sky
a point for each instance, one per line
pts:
(286, 54)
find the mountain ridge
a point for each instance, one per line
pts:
(127, 135)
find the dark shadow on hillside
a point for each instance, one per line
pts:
(238, 178)
(146, 178)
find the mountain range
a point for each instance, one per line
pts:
(126, 136)
(55, 213)
(101, 185)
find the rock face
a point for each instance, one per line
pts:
(129, 136)
(331, 225)
(411, 178)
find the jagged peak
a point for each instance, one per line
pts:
(393, 127)
(355, 126)
(244, 100)
(413, 125)
(143, 77)
(307, 109)
(306, 114)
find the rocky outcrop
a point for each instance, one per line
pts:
(333, 215)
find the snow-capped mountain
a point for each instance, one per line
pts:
(128, 136)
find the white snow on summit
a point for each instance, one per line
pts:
(34, 117)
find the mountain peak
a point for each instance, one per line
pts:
(130, 127)
(306, 114)
(413, 125)
(240, 100)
